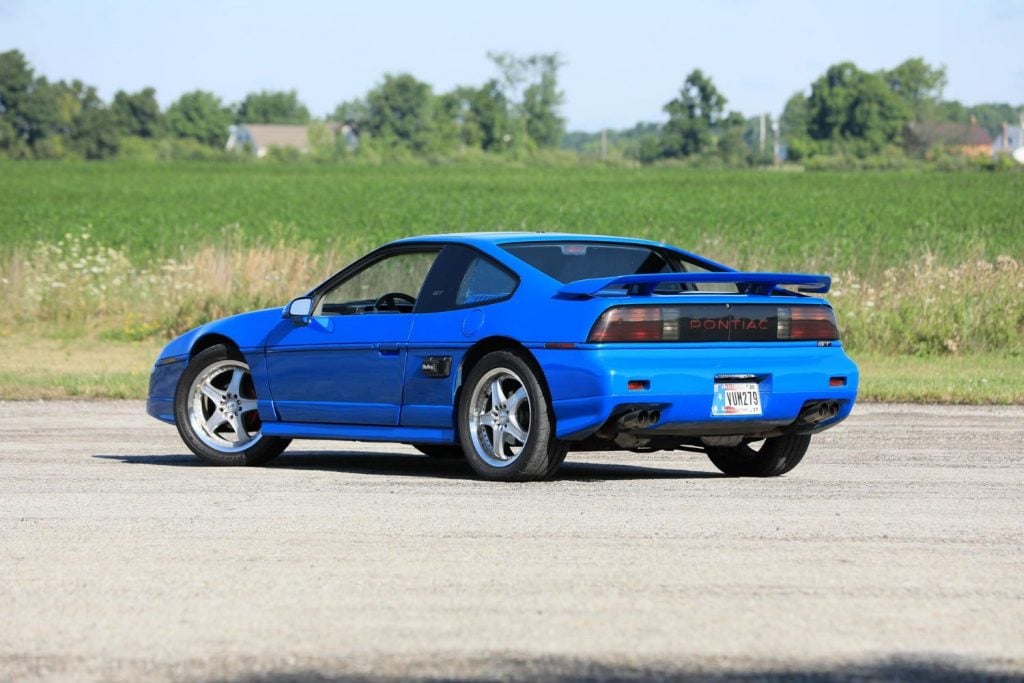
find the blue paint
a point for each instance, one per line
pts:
(360, 377)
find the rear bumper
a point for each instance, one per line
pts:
(589, 385)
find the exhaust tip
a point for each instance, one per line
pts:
(655, 416)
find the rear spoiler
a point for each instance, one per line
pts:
(643, 285)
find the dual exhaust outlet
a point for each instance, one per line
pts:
(818, 412)
(639, 419)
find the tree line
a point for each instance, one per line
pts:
(516, 110)
(847, 113)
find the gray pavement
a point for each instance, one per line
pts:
(894, 551)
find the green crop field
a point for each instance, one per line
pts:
(863, 222)
(97, 256)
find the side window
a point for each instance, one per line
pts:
(484, 282)
(390, 285)
(463, 277)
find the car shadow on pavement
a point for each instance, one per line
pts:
(398, 464)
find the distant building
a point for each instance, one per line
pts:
(260, 137)
(965, 139)
(1010, 139)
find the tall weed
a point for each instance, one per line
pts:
(923, 307)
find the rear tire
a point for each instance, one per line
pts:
(777, 455)
(506, 425)
(215, 411)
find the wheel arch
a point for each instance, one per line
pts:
(500, 343)
(210, 340)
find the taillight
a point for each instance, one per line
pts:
(807, 323)
(628, 324)
(715, 322)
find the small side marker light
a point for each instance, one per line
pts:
(638, 384)
(837, 381)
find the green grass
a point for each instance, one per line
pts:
(973, 380)
(78, 366)
(862, 222)
(929, 266)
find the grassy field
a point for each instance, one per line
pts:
(928, 267)
(864, 222)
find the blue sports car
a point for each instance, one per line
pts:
(510, 349)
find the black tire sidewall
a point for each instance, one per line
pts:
(778, 456)
(541, 448)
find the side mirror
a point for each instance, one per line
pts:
(299, 309)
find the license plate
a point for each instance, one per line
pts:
(736, 398)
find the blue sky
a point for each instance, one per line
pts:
(624, 59)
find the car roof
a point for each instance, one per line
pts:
(495, 238)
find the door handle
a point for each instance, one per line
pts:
(388, 349)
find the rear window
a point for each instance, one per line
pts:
(571, 261)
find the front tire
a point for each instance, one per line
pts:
(215, 411)
(776, 456)
(506, 426)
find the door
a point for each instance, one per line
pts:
(347, 365)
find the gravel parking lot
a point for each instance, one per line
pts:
(896, 550)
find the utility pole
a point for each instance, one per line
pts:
(763, 133)
(604, 144)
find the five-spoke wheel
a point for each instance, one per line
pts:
(505, 422)
(216, 411)
(222, 407)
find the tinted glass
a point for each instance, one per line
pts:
(464, 277)
(570, 261)
(484, 282)
(401, 274)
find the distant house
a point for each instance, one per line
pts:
(1010, 139)
(965, 139)
(260, 137)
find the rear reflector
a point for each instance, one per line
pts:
(715, 322)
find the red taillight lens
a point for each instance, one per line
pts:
(715, 323)
(808, 323)
(628, 324)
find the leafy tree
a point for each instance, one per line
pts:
(355, 112)
(795, 117)
(28, 105)
(400, 110)
(854, 109)
(480, 115)
(273, 107)
(89, 126)
(541, 101)
(16, 80)
(692, 117)
(138, 113)
(732, 145)
(530, 86)
(918, 84)
(201, 116)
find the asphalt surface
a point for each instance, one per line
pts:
(894, 551)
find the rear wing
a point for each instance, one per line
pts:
(643, 285)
